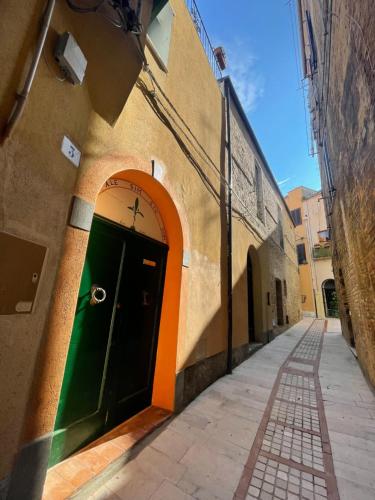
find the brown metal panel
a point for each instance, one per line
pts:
(21, 264)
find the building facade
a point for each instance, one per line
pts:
(114, 267)
(314, 253)
(263, 228)
(338, 43)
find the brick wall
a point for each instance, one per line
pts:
(342, 99)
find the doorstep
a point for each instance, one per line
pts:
(82, 473)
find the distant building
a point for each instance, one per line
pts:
(314, 253)
(338, 47)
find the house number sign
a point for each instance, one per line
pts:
(129, 205)
(70, 151)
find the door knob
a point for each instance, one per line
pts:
(98, 295)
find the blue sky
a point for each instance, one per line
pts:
(261, 55)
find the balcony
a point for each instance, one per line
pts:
(322, 252)
(202, 33)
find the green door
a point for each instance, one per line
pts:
(110, 365)
(134, 342)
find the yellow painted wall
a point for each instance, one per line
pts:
(294, 200)
(321, 269)
(38, 181)
(316, 271)
(108, 120)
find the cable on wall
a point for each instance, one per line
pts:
(23, 95)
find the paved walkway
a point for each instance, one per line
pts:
(295, 421)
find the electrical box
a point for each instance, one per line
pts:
(70, 58)
(21, 264)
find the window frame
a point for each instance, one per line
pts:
(300, 260)
(293, 212)
(259, 191)
(313, 59)
(161, 59)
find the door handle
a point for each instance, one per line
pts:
(98, 295)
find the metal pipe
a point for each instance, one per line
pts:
(229, 235)
(22, 96)
(302, 37)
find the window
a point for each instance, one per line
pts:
(160, 30)
(301, 253)
(324, 236)
(279, 303)
(280, 227)
(259, 192)
(313, 50)
(328, 173)
(296, 216)
(285, 289)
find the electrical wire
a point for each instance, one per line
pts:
(60, 79)
(126, 18)
(299, 75)
(84, 10)
(321, 130)
(239, 215)
(153, 97)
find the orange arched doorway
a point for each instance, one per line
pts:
(45, 397)
(123, 348)
(165, 371)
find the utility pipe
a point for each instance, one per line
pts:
(229, 235)
(22, 96)
(302, 37)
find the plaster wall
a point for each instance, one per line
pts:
(321, 269)
(38, 181)
(294, 200)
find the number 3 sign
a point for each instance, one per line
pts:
(70, 151)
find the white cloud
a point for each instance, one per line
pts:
(284, 181)
(249, 84)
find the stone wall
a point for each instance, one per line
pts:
(342, 98)
(262, 226)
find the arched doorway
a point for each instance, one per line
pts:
(115, 342)
(346, 309)
(331, 307)
(254, 294)
(250, 299)
(279, 302)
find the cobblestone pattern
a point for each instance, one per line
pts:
(295, 415)
(272, 479)
(291, 456)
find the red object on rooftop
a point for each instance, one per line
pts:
(220, 57)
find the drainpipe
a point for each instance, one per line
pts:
(229, 234)
(302, 37)
(22, 96)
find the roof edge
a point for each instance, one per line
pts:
(228, 82)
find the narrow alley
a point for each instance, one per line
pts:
(187, 250)
(296, 420)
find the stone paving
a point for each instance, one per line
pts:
(282, 426)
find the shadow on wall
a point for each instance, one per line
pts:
(256, 319)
